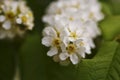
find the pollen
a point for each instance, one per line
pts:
(91, 15)
(71, 19)
(58, 11)
(24, 19)
(71, 48)
(56, 42)
(73, 34)
(10, 15)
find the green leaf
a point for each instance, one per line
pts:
(115, 5)
(106, 9)
(110, 27)
(104, 66)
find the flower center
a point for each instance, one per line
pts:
(71, 48)
(71, 19)
(58, 11)
(73, 34)
(56, 42)
(91, 15)
(10, 15)
(24, 19)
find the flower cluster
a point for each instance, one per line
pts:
(71, 27)
(15, 18)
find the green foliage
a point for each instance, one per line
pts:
(110, 27)
(115, 5)
(106, 9)
(103, 65)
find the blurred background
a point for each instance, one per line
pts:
(27, 55)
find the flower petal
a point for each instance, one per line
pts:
(81, 52)
(47, 41)
(63, 47)
(64, 33)
(7, 25)
(63, 56)
(19, 21)
(74, 58)
(53, 51)
(2, 18)
(49, 31)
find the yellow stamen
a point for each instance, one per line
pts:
(24, 19)
(58, 11)
(71, 19)
(73, 34)
(56, 42)
(71, 48)
(10, 15)
(91, 15)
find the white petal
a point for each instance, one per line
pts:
(64, 33)
(53, 51)
(49, 31)
(6, 25)
(19, 21)
(77, 42)
(2, 18)
(63, 56)
(47, 41)
(91, 43)
(74, 58)
(49, 19)
(81, 52)
(66, 41)
(88, 50)
(63, 47)
(31, 25)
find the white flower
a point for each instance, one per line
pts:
(26, 19)
(15, 18)
(95, 10)
(26, 16)
(84, 9)
(68, 41)
(73, 26)
(66, 6)
(51, 39)
(73, 50)
(63, 19)
(74, 32)
(92, 29)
